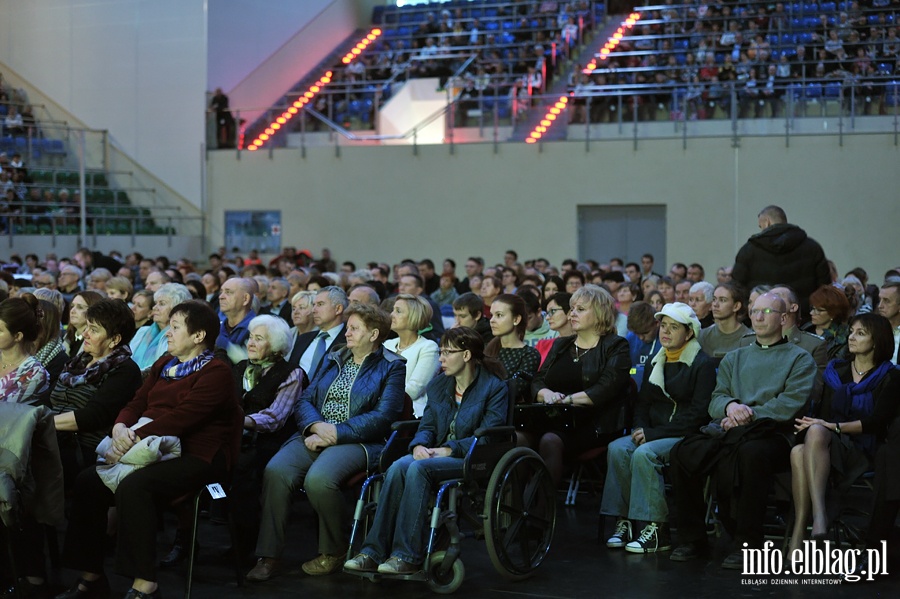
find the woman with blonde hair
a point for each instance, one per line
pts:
(590, 369)
(409, 315)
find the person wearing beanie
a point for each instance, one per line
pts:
(673, 402)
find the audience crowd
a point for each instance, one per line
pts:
(692, 55)
(735, 367)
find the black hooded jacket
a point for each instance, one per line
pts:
(783, 253)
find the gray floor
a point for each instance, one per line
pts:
(577, 566)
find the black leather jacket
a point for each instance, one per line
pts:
(604, 377)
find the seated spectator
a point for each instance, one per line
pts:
(509, 319)
(277, 296)
(189, 395)
(537, 327)
(673, 402)
(98, 278)
(81, 301)
(574, 280)
(268, 388)
(626, 295)
(50, 350)
(728, 308)
(328, 312)
(655, 299)
(470, 395)
(587, 369)
(650, 283)
(94, 385)
(411, 314)
(23, 378)
(142, 308)
(119, 288)
(446, 294)
(700, 298)
(343, 418)
(683, 291)
(857, 408)
(643, 333)
(553, 285)
(212, 285)
(235, 303)
(666, 287)
(13, 124)
(889, 307)
(302, 318)
(829, 311)
(150, 343)
(557, 309)
(468, 311)
(760, 389)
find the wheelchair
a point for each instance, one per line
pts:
(505, 496)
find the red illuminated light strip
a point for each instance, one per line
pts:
(552, 114)
(307, 96)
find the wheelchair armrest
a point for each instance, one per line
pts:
(495, 431)
(405, 426)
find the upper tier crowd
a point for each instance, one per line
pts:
(765, 51)
(288, 374)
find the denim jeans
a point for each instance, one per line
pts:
(406, 498)
(636, 473)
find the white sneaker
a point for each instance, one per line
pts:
(621, 536)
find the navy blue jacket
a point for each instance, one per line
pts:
(376, 399)
(484, 403)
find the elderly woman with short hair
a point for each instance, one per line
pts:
(268, 387)
(94, 385)
(343, 419)
(410, 315)
(190, 395)
(588, 369)
(150, 343)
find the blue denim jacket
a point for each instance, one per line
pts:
(376, 399)
(484, 403)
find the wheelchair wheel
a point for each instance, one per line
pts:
(520, 513)
(449, 582)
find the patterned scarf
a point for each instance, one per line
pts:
(175, 370)
(255, 370)
(77, 371)
(50, 350)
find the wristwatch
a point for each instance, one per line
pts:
(837, 427)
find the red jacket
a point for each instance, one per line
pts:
(201, 409)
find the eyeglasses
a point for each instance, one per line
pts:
(553, 311)
(670, 328)
(765, 311)
(447, 352)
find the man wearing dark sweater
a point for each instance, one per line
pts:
(759, 391)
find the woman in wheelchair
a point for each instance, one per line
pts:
(673, 402)
(343, 418)
(588, 369)
(471, 394)
(859, 403)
